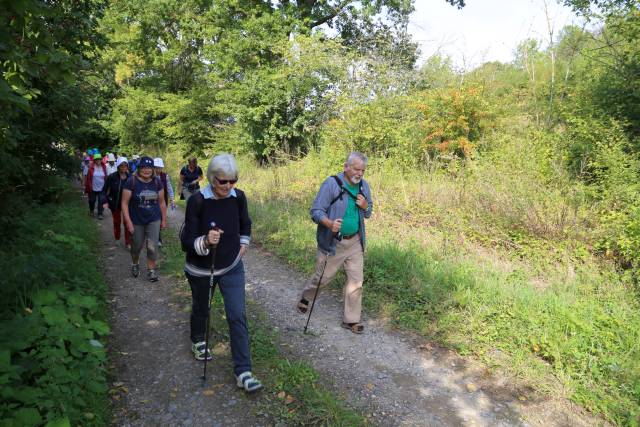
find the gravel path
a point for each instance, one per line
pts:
(396, 379)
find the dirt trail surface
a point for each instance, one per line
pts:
(393, 378)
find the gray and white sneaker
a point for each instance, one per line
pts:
(152, 275)
(135, 270)
(248, 382)
(198, 351)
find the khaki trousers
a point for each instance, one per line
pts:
(348, 254)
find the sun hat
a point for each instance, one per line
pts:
(121, 160)
(145, 162)
(158, 163)
(111, 157)
(135, 157)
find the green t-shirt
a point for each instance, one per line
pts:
(351, 219)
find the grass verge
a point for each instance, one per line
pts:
(293, 394)
(576, 337)
(53, 319)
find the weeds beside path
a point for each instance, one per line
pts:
(52, 318)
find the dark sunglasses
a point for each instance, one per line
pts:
(226, 181)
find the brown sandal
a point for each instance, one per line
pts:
(303, 306)
(356, 328)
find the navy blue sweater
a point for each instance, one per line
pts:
(230, 214)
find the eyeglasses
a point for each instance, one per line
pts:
(226, 181)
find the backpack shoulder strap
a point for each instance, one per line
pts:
(342, 190)
(199, 202)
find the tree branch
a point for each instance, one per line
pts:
(335, 12)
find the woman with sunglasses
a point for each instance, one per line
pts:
(217, 231)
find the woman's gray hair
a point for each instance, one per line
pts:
(356, 155)
(222, 165)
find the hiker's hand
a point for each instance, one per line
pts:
(335, 225)
(243, 250)
(130, 227)
(213, 237)
(362, 202)
(105, 205)
(173, 205)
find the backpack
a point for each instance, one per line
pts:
(199, 203)
(343, 190)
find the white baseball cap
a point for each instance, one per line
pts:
(111, 157)
(158, 163)
(121, 160)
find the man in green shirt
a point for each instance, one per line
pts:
(339, 209)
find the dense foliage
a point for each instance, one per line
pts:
(52, 321)
(52, 96)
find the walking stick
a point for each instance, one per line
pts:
(315, 295)
(206, 337)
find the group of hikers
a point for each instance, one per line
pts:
(217, 232)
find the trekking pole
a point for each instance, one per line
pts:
(315, 295)
(206, 337)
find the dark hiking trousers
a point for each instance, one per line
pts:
(231, 286)
(95, 196)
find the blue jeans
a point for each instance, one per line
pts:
(231, 285)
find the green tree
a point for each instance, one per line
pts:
(48, 91)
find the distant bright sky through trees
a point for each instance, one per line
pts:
(484, 30)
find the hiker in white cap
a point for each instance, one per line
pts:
(158, 165)
(111, 164)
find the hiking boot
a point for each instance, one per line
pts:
(198, 351)
(152, 275)
(135, 270)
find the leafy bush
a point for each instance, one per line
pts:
(454, 120)
(52, 362)
(384, 127)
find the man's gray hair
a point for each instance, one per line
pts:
(356, 155)
(222, 165)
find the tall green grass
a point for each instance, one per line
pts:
(537, 304)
